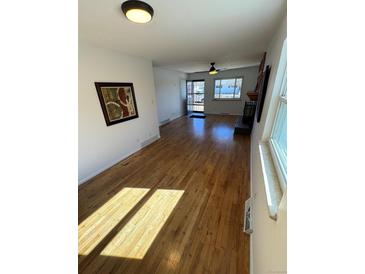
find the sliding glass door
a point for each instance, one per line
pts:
(195, 95)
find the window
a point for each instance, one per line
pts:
(278, 137)
(273, 146)
(228, 88)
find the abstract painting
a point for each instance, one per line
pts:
(117, 101)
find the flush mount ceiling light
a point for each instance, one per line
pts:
(137, 11)
(212, 69)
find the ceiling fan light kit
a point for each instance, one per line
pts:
(212, 69)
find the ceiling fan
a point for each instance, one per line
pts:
(212, 69)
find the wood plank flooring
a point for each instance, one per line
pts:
(175, 206)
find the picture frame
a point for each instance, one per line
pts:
(260, 76)
(117, 101)
(262, 93)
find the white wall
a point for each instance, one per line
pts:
(212, 106)
(268, 241)
(170, 93)
(101, 146)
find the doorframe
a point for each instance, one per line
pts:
(187, 100)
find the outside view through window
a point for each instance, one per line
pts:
(228, 88)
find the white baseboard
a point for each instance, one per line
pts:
(143, 144)
(164, 122)
(149, 141)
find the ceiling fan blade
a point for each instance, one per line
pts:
(201, 71)
(207, 71)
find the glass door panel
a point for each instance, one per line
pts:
(195, 95)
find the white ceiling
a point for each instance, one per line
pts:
(186, 35)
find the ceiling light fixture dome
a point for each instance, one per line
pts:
(137, 11)
(212, 69)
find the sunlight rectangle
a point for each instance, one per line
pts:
(93, 230)
(134, 240)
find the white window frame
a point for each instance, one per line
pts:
(234, 91)
(279, 159)
(273, 169)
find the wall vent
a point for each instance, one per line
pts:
(247, 224)
(149, 141)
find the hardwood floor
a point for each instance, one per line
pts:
(175, 206)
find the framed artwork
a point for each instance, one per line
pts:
(260, 76)
(262, 92)
(117, 101)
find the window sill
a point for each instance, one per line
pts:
(271, 180)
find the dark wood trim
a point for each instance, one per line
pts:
(252, 95)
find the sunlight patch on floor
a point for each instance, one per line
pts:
(93, 230)
(198, 127)
(135, 238)
(222, 133)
